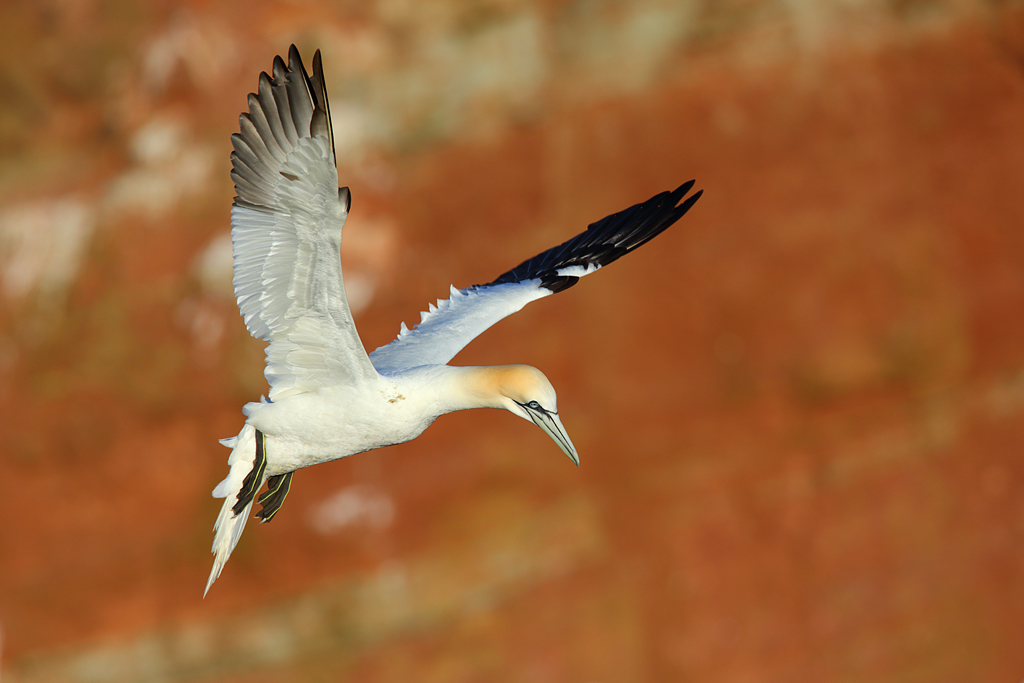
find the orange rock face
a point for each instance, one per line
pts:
(799, 412)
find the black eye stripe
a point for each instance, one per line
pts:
(535, 405)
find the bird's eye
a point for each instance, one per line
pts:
(534, 405)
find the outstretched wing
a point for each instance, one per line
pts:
(454, 322)
(286, 233)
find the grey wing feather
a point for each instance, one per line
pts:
(286, 233)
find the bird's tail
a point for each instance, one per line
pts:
(248, 471)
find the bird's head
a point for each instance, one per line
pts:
(526, 392)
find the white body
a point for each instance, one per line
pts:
(338, 421)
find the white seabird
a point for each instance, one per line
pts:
(328, 398)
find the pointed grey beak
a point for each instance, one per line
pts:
(552, 426)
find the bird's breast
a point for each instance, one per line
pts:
(308, 429)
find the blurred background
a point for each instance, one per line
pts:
(800, 411)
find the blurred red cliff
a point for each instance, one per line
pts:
(799, 412)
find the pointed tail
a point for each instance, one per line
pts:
(238, 490)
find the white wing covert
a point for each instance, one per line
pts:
(287, 222)
(446, 328)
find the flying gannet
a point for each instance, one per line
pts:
(328, 398)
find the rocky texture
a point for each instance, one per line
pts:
(799, 413)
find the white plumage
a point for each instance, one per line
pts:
(328, 399)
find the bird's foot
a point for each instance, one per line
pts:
(254, 479)
(272, 500)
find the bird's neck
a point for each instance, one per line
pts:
(461, 388)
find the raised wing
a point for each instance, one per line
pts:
(454, 322)
(286, 233)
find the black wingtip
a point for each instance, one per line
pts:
(684, 188)
(690, 201)
(318, 66)
(605, 240)
(319, 86)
